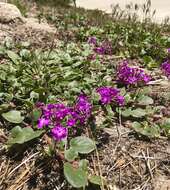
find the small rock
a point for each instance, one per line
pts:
(9, 13)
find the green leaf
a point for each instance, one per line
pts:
(34, 95)
(152, 131)
(4, 107)
(167, 121)
(83, 145)
(127, 112)
(70, 154)
(145, 100)
(3, 75)
(127, 98)
(49, 150)
(137, 127)
(2, 50)
(83, 164)
(149, 62)
(75, 176)
(95, 180)
(153, 64)
(110, 112)
(36, 114)
(25, 53)
(13, 56)
(138, 112)
(166, 126)
(147, 59)
(146, 130)
(21, 135)
(13, 116)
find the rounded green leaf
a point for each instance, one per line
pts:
(145, 100)
(138, 112)
(83, 164)
(137, 127)
(70, 154)
(83, 145)
(146, 130)
(21, 135)
(13, 116)
(127, 112)
(75, 176)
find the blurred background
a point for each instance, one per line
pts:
(162, 7)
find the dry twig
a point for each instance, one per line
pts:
(29, 158)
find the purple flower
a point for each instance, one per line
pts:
(39, 105)
(83, 108)
(50, 106)
(59, 132)
(43, 122)
(120, 100)
(105, 47)
(166, 68)
(71, 122)
(62, 113)
(99, 50)
(146, 78)
(131, 76)
(92, 40)
(168, 50)
(109, 94)
(83, 105)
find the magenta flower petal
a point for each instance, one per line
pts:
(99, 50)
(120, 100)
(107, 94)
(166, 68)
(42, 122)
(92, 40)
(59, 132)
(71, 122)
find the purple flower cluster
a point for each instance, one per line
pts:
(101, 49)
(61, 117)
(131, 76)
(166, 68)
(92, 40)
(83, 107)
(109, 94)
